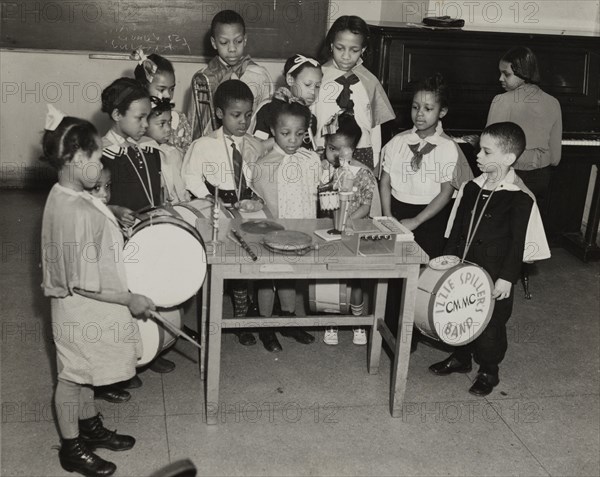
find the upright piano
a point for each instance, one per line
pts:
(400, 54)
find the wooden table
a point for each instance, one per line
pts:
(332, 260)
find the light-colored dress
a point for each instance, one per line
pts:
(365, 190)
(97, 343)
(181, 132)
(288, 183)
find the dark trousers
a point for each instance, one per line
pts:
(490, 347)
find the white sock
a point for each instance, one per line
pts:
(357, 310)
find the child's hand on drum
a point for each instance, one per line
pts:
(124, 215)
(139, 305)
(501, 289)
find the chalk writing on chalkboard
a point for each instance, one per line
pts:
(276, 28)
(126, 39)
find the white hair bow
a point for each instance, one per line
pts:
(149, 66)
(53, 118)
(300, 60)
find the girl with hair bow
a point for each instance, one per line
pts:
(88, 287)
(303, 80)
(157, 75)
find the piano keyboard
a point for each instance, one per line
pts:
(564, 142)
(581, 142)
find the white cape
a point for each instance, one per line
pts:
(536, 245)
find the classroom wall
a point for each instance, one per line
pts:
(73, 82)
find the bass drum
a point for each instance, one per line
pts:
(454, 300)
(329, 296)
(165, 258)
(155, 337)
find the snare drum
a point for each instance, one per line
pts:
(329, 200)
(194, 209)
(454, 300)
(329, 296)
(165, 258)
(155, 337)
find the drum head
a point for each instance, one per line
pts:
(462, 304)
(166, 263)
(445, 262)
(288, 240)
(260, 227)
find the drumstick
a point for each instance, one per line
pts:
(244, 245)
(173, 328)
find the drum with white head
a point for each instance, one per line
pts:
(166, 259)
(454, 300)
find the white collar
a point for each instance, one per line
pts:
(510, 181)
(435, 138)
(68, 190)
(335, 65)
(115, 139)
(101, 206)
(278, 150)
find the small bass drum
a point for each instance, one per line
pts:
(454, 300)
(329, 296)
(155, 337)
(165, 258)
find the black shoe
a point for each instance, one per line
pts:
(192, 334)
(95, 435)
(298, 334)
(252, 310)
(111, 393)
(162, 365)
(246, 338)
(450, 365)
(270, 341)
(484, 384)
(132, 383)
(75, 456)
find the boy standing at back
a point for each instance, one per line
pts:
(493, 218)
(228, 37)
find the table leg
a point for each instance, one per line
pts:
(380, 295)
(402, 352)
(203, 319)
(213, 365)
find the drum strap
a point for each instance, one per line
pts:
(472, 231)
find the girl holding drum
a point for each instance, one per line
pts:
(84, 276)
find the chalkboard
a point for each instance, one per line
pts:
(276, 28)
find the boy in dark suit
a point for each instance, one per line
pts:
(493, 218)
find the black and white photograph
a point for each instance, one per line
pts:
(299, 238)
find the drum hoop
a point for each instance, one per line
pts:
(191, 208)
(438, 285)
(164, 219)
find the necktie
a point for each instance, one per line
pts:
(343, 100)
(415, 162)
(240, 180)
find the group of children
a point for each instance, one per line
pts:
(321, 130)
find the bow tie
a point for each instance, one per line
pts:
(343, 100)
(417, 158)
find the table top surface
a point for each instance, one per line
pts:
(228, 252)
